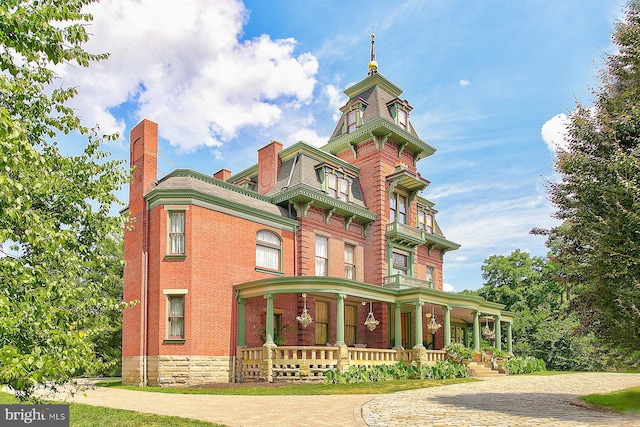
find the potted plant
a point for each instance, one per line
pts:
(459, 353)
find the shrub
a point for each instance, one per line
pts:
(525, 365)
(400, 371)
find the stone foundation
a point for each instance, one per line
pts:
(175, 371)
(178, 371)
(132, 371)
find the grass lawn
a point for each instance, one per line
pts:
(91, 416)
(266, 389)
(627, 400)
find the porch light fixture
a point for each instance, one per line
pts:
(487, 333)
(433, 325)
(371, 321)
(305, 318)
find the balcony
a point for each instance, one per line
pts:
(405, 234)
(400, 281)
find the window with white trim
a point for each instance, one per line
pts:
(322, 256)
(176, 233)
(268, 250)
(350, 262)
(430, 273)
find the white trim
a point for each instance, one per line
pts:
(175, 291)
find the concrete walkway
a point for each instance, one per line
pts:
(506, 401)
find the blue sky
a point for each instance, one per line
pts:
(224, 78)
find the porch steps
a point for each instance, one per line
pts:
(481, 369)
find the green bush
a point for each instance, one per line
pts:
(399, 371)
(525, 365)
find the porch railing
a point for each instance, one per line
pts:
(311, 362)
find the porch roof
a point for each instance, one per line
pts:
(361, 291)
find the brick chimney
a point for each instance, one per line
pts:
(143, 164)
(222, 174)
(268, 163)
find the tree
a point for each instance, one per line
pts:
(542, 328)
(55, 222)
(597, 247)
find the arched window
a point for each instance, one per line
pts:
(268, 249)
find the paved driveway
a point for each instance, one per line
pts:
(507, 401)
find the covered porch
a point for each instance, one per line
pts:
(404, 316)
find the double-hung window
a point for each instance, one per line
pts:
(402, 119)
(176, 233)
(322, 323)
(268, 250)
(398, 208)
(352, 120)
(338, 187)
(322, 256)
(350, 262)
(175, 314)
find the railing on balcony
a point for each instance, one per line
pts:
(406, 234)
(311, 362)
(400, 280)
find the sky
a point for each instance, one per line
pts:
(491, 83)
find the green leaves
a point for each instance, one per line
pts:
(598, 199)
(59, 285)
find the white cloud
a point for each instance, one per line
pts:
(336, 99)
(447, 287)
(464, 83)
(188, 69)
(554, 132)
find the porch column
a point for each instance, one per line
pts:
(268, 333)
(476, 330)
(340, 320)
(447, 324)
(496, 320)
(240, 323)
(398, 326)
(419, 341)
(509, 338)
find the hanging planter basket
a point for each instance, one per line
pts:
(305, 318)
(488, 334)
(433, 326)
(371, 322)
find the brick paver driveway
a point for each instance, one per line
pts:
(507, 401)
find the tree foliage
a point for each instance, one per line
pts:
(543, 329)
(55, 222)
(597, 247)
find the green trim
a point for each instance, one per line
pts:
(267, 271)
(176, 341)
(305, 193)
(366, 291)
(295, 149)
(381, 127)
(159, 197)
(175, 256)
(376, 79)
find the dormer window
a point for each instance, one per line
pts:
(352, 121)
(353, 111)
(338, 187)
(425, 220)
(400, 110)
(402, 119)
(335, 182)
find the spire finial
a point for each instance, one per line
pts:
(373, 65)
